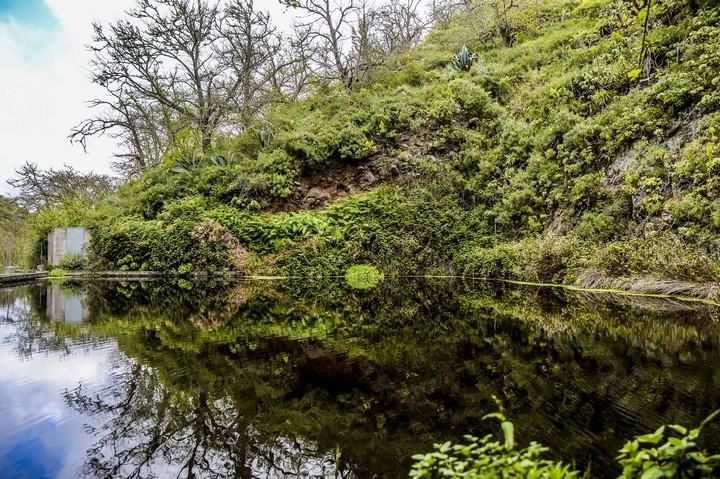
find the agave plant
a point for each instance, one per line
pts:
(219, 160)
(463, 60)
(266, 136)
(186, 163)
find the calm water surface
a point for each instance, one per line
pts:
(274, 380)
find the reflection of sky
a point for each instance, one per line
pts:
(40, 437)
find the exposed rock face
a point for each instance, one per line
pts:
(317, 196)
(367, 179)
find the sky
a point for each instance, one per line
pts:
(44, 81)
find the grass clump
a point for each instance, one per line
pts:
(363, 276)
(57, 273)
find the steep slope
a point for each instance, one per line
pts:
(568, 156)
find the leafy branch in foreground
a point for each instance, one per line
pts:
(648, 457)
(661, 454)
(485, 458)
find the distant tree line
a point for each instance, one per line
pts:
(35, 208)
(12, 225)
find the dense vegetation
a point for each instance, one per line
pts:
(14, 232)
(562, 140)
(555, 156)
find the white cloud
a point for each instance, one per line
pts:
(44, 84)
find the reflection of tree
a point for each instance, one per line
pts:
(23, 307)
(387, 373)
(240, 382)
(145, 427)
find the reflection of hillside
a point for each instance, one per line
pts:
(657, 326)
(366, 381)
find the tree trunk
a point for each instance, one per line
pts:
(206, 139)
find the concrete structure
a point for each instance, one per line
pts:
(20, 277)
(65, 241)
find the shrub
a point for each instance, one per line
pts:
(463, 59)
(56, 273)
(72, 262)
(669, 452)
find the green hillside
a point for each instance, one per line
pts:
(569, 151)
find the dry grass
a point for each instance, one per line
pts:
(592, 279)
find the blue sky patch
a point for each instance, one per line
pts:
(30, 12)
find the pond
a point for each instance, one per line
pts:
(290, 379)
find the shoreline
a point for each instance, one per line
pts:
(649, 287)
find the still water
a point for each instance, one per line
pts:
(275, 380)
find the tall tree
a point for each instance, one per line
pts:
(178, 64)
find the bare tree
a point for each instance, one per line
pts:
(177, 64)
(142, 129)
(401, 25)
(442, 11)
(366, 49)
(251, 45)
(38, 188)
(292, 66)
(328, 26)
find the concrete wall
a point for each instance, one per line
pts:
(64, 241)
(56, 246)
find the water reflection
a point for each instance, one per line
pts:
(253, 380)
(66, 305)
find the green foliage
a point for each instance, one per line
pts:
(72, 262)
(671, 451)
(192, 161)
(185, 268)
(485, 458)
(363, 276)
(550, 157)
(266, 136)
(15, 241)
(186, 164)
(57, 273)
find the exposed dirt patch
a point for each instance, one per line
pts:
(316, 188)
